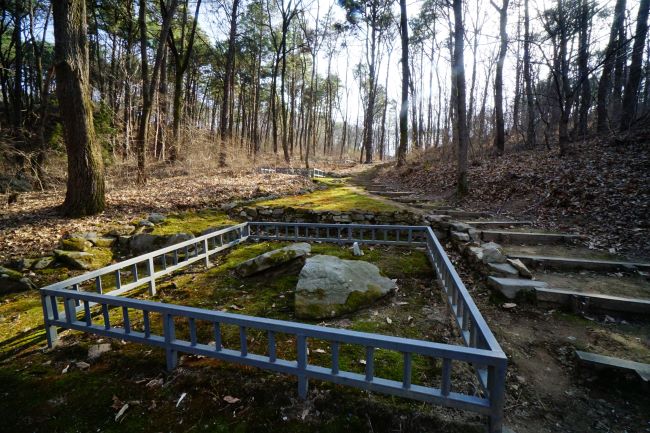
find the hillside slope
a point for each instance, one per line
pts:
(602, 190)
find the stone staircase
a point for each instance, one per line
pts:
(519, 260)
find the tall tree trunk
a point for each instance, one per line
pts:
(149, 86)
(500, 138)
(18, 65)
(461, 109)
(604, 84)
(85, 185)
(583, 69)
(630, 98)
(404, 108)
(528, 79)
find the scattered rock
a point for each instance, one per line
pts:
(146, 242)
(459, 236)
(43, 262)
(121, 230)
(273, 259)
(503, 269)
(493, 253)
(329, 286)
(82, 365)
(17, 184)
(356, 249)
(96, 350)
(75, 243)
(460, 227)
(156, 218)
(509, 305)
(13, 281)
(104, 242)
(521, 268)
(145, 223)
(94, 259)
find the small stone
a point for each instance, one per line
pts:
(156, 218)
(521, 268)
(105, 242)
(509, 305)
(82, 365)
(123, 230)
(96, 350)
(460, 237)
(356, 249)
(460, 227)
(43, 263)
(145, 223)
(75, 244)
(493, 253)
(503, 269)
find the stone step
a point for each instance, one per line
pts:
(459, 213)
(392, 193)
(574, 264)
(515, 237)
(581, 302)
(498, 224)
(510, 287)
(609, 362)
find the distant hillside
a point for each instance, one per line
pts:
(602, 190)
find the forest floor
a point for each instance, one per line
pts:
(62, 390)
(601, 190)
(32, 226)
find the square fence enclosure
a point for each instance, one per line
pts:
(82, 304)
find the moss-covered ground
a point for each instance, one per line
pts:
(337, 197)
(47, 391)
(193, 222)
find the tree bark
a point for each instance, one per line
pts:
(634, 78)
(500, 138)
(458, 69)
(403, 113)
(85, 184)
(530, 102)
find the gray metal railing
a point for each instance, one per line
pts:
(66, 305)
(308, 172)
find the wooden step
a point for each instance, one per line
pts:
(514, 237)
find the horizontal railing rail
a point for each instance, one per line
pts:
(300, 367)
(64, 302)
(308, 172)
(339, 233)
(157, 263)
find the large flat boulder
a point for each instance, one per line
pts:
(329, 286)
(273, 259)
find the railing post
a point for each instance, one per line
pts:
(301, 341)
(152, 278)
(207, 255)
(496, 387)
(170, 336)
(48, 313)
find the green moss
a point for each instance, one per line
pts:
(336, 198)
(75, 244)
(13, 275)
(192, 222)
